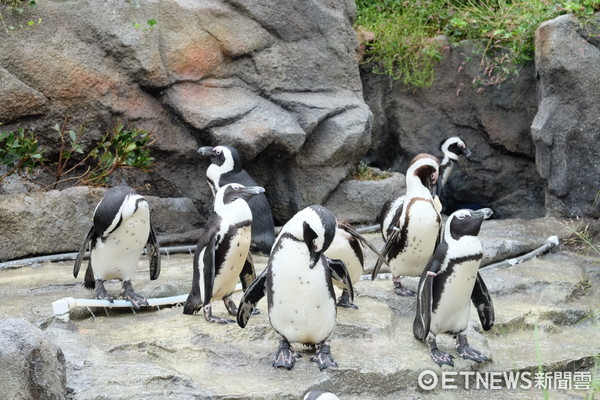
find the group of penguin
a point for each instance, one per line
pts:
(312, 252)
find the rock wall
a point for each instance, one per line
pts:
(494, 121)
(566, 129)
(278, 81)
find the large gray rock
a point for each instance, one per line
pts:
(57, 221)
(31, 367)
(566, 129)
(494, 121)
(279, 81)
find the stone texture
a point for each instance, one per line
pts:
(31, 366)
(24, 100)
(494, 121)
(277, 81)
(567, 126)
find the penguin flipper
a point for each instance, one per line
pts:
(422, 320)
(392, 239)
(340, 273)
(483, 303)
(81, 252)
(248, 274)
(362, 240)
(193, 301)
(153, 251)
(209, 268)
(89, 282)
(251, 297)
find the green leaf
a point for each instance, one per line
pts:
(73, 136)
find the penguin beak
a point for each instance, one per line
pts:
(468, 153)
(252, 191)
(206, 151)
(483, 213)
(309, 239)
(315, 255)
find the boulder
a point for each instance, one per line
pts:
(277, 81)
(566, 127)
(31, 367)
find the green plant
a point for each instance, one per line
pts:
(366, 173)
(19, 151)
(405, 46)
(18, 6)
(118, 148)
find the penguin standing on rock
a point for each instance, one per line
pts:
(120, 231)
(452, 148)
(449, 281)
(297, 282)
(226, 167)
(413, 224)
(222, 255)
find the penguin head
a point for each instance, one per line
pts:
(466, 222)
(426, 168)
(236, 195)
(454, 147)
(320, 395)
(315, 226)
(225, 157)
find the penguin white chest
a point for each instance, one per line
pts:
(228, 273)
(421, 235)
(302, 308)
(452, 312)
(117, 255)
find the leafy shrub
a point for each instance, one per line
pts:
(405, 47)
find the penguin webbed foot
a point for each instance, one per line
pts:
(101, 293)
(192, 304)
(467, 352)
(207, 310)
(255, 311)
(136, 300)
(438, 356)
(323, 357)
(285, 356)
(402, 290)
(344, 301)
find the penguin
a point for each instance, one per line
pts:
(320, 395)
(297, 283)
(120, 231)
(347, 245)
(452, 148)
(450, 279)
(222, 254)
(414, 227)
(226, 167)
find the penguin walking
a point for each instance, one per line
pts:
(414, 224)
(222, 254)
(450, 279)
(297, 282)
(120, 231)
(347, 245)
(226, 167)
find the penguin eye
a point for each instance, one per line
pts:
(235, 187)
(218, 152)
(461, 216)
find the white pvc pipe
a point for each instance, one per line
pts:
(551, 242)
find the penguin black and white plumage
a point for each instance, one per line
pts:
(414, 224)
(120, 231)
(320, 395)
(226, 167)
(450, 280)
(297, 282)
(222, 255)
(347, 245)
(452, 148)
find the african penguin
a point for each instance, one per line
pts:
(451, 148)
(320, 395)
(297, 282)
(226, 167)
(414, 226)
(222, 254)
(347, 245)
(120, 231)
(450, 279)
